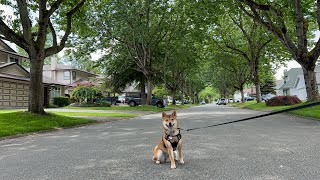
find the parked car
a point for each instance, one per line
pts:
(122, 99)
(202, 102)
(266, 97)
(113, 100)
(135, 101)
(222, 101)
(248, 98)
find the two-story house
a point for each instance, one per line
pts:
(14, 80)
(65, 74)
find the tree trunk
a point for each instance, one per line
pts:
(258, 94)
(36, 92)
(143, 91)
(311, 84)
(196, 98)
(149, 95)
(242, 95)
(193, 97)
(173, 91)
(256, 81)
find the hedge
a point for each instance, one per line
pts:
(61, 101)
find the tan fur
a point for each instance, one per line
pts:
(161, 153)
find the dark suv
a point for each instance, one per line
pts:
(135, 101)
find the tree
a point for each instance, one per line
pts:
(180, 57)
(35, 19)
(293, 23)
(231, 64)
(249, 41)
(140, 26)
(79, 60)
(268, 84)
(121, 70)
(208, 94)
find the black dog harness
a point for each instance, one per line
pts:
(174, 140)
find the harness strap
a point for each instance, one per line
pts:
(175, 143)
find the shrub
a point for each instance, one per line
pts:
(104, 104)
(283, 101)
(61, 101)
(85, 94)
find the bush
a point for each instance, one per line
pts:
(85, 94)
(104, 104)
(283, 101)
(61, 101)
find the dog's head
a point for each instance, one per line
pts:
(170, 121)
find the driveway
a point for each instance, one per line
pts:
(274, 147)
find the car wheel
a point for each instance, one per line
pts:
(160, 105)
(132, 103)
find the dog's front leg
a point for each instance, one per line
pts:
(180, 152)
(171, 155)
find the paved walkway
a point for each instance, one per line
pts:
(273, 147)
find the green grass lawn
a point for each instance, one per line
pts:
(13, 123)
(313, 112)
(135, 108)
(101, 114)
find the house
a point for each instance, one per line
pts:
(279, 83)
(294, 83)
(15, 79)
(65, 74)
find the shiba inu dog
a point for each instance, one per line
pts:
(170, 142)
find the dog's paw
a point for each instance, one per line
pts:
(173, 166)
(157, 162)
(181, 161)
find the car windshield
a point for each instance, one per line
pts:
(222, 99)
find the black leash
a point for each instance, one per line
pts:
(254, 117)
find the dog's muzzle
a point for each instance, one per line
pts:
(170, 125)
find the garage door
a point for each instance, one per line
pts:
(13, 94)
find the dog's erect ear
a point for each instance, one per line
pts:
(164, 114)
(174, 113)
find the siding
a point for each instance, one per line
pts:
(13, 93)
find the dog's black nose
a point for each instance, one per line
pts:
(170, 124)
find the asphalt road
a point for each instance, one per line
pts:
(274, 147)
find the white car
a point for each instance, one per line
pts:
(222, 101)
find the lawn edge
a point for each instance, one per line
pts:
(284, 113)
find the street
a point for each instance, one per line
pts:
(274, 147)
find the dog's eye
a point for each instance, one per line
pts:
(172, 119)
(167, 120)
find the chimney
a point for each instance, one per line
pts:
(53, 66)
(53, 62)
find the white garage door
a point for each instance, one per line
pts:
(13, 94)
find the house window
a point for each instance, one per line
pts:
(74, 77)
(66, 75)
(14, 60)
(55, 92)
